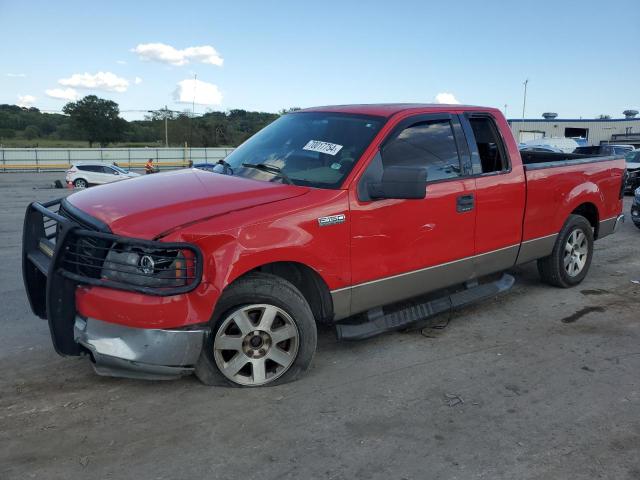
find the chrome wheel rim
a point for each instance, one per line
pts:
(575, 252)
(81, 184)
(256, 344)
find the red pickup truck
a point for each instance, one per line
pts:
(367, 217)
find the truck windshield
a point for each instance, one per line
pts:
(316, 149)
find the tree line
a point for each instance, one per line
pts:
(97, 121)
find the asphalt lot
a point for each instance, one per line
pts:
(540, 383)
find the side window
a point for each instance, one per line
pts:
(490, 147)
(91, 168)
(108, 170)
(429, 144)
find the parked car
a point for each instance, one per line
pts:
(343, 215)
(83, 175)
(635, 208)
(208, 167)
(540, 148)
(604, 150)
(633, 170)
(559, 144)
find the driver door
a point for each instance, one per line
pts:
(403, 248)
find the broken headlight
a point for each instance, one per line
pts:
(144, 267)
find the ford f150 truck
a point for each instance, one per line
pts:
(367, 217)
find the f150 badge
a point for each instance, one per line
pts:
(331, 220)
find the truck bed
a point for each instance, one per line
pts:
(559, 184)
(535, 160)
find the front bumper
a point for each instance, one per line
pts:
(632, 181)
(635, 211)
(51, 232)
(151, 354)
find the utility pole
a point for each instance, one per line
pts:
(505, 110)
(524, 99)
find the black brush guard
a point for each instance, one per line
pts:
(51, 233)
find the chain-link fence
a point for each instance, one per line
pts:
(55, 159)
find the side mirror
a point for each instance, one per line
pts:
(400, 183)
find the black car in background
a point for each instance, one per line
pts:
(635, 208)
(604, 150)
(633, 171)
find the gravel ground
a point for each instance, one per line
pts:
(540, 383)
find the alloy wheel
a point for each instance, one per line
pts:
(575, 252)
(256, 344)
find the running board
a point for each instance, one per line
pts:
(378, 322)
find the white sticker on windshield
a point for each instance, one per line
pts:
(322, 147)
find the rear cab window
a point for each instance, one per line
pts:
(488, 152)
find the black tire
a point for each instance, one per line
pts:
(261, 288)
(80, 183)
(552, 268)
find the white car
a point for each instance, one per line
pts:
(82, 175)
(560, 144)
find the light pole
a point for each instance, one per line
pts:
(524, 99)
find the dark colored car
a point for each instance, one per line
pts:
(635, 208)
(633, 171)
(604, 150)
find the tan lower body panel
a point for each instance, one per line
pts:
(359, 298)
(536, 248)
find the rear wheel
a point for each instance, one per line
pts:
(80, 183)
(570, 259)
(263, 333)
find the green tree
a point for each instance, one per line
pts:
(31, 132)
(97, 119)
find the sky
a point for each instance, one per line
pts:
(582, 58)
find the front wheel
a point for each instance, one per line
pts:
(80, 183)
(262, 333)
(571, 257)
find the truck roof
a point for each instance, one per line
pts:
(390, 109)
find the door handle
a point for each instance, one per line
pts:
(465, 203)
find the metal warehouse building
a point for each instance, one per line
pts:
(592, 131)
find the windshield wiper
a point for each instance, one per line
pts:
(225, 166)
(270, 169)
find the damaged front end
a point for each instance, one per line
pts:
(64, 248)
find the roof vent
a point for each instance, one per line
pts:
(549, 115)
(630, 113)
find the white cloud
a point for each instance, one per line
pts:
(26, 100)
(106, 81)
(203, 92)
(137, 81)
(164, 53)
(68, 94)
(446, 97)
(121, 62)
(17, 75)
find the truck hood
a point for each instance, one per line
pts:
(152, 205)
